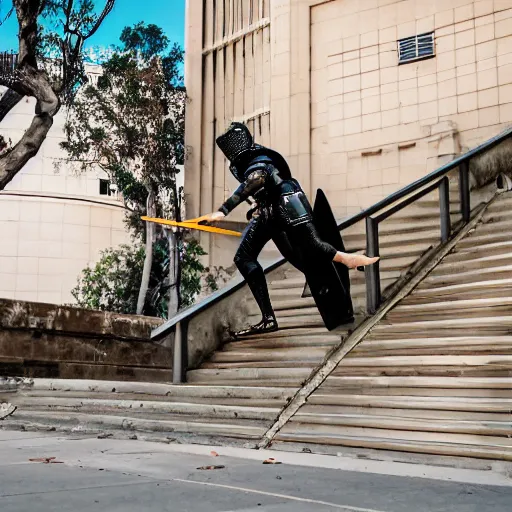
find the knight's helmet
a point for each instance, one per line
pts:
(235, 141)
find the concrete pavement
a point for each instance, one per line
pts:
(132, 476)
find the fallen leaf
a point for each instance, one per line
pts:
(214, 454)
(207, 468)
(46, 460)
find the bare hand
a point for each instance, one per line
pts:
(211, 217)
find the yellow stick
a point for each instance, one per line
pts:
(192, 225)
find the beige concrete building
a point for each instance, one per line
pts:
(361, 96)
(53, 221)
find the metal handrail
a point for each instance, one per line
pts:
(435, 180)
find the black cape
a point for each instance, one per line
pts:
(329, 285)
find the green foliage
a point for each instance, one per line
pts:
(112, 284)
(192, 270)
(211, 282)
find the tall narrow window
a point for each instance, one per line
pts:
(416, 48)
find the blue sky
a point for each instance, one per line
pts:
(126, 12)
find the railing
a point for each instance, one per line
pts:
(8, 62)
(373, 216)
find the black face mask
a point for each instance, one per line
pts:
(235, 141)
(238, 147)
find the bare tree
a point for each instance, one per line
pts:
(75, 22)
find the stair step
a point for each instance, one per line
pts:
(336, 387)
(406, 405)
(453, 307)
(294, 282)
(286, 342)
(478, 289)
(392, 239)
(416, 361)
(282, 304)
(286, 313)
(294, 321)
(408, 424)
(278, 381)
(405, 250)
(503, 215)
(412, 215)
(61, 420)
(432, 371)
(154, 389)
(305, 362)
(478, 440)
(504, 202)
(483, 274)
(488, 249)
(259, 355)
(497, 323)
(252, 374)
(375, 346)
(454, 445)
(454, 266)
(149, 407)
(297, 332)
(420, 382)
(486, 236)
(253, 401)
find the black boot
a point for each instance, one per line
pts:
(258, 285)
(267, 324)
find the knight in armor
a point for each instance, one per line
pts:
(282, 214)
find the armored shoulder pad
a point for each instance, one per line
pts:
(261, 164)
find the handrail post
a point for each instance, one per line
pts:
(465, 203)
(372, 272)
(444, 207)
(180, 354)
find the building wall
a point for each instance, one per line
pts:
(347, 116)
(377, 125)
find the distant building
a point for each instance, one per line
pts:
(361, 96)
(53, 222)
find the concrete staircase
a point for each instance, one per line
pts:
(240, 390)
(433, 377)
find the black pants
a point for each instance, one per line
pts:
(300, 245)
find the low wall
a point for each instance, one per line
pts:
(48, 341)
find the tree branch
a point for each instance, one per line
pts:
(28, 80)
(9, 14)
(8, 101)
(27, 147)
(106, 11)
(27, 12)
